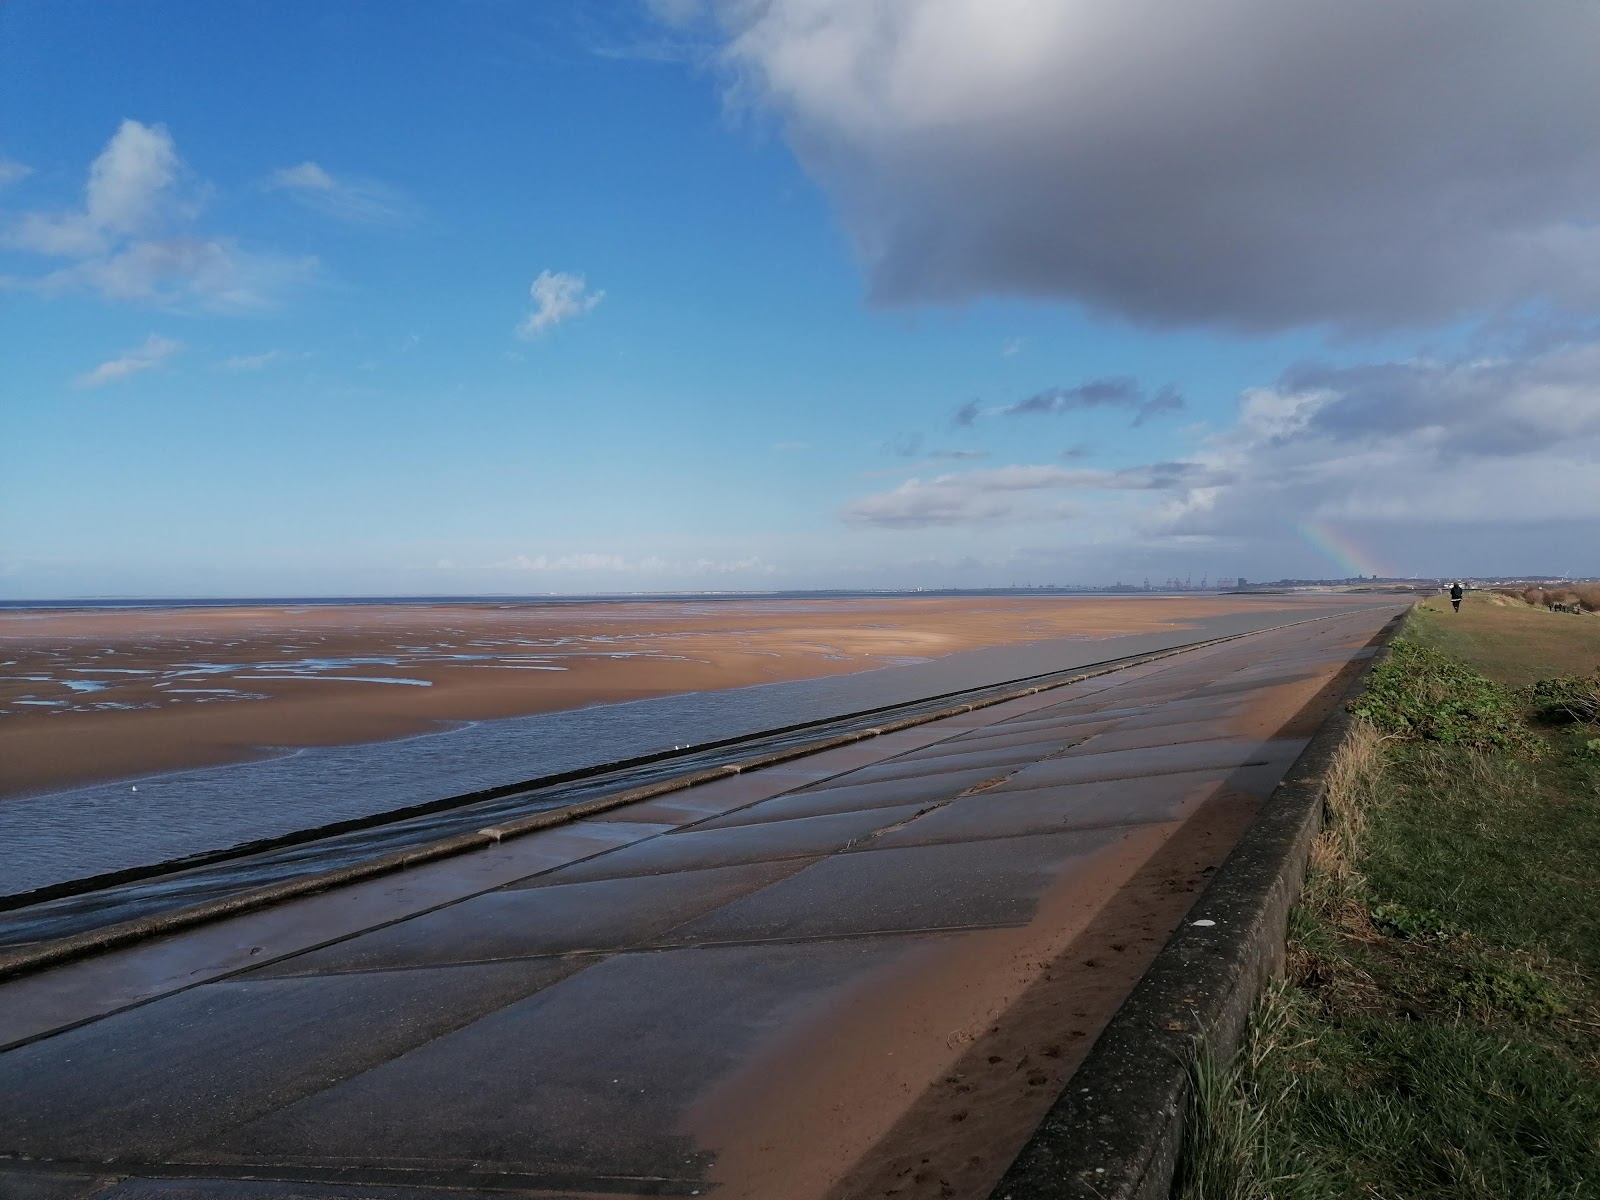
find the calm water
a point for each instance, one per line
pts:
(88, 831)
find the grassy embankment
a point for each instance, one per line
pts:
(1437, 1033)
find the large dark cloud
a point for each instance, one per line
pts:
(1495, 407)
(1253, 164)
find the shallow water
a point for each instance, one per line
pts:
(88, 831)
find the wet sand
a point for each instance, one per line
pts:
(94, 695)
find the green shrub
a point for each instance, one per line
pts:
(1511, 991)
(1412, 924)
(1565, 700)
(1422, 695)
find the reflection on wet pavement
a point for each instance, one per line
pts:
(787, 984)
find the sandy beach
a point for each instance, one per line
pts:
(94, 695)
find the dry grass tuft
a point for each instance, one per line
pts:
(1351, 787)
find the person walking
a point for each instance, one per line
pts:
(1456, 592)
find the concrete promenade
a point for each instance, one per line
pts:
(863, 973)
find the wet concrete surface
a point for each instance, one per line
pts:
(774, 985)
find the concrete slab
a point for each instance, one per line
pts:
(726, 795)
(610, 914)
(706, 800)
(1159, 800)
(912, 766)
(586, 1081)
(1177, 734)
(769, 841)
(1065, 717)
(145, 1082)
(962, 885)
(1133, 764)
(841, 759)
(1236, 686)
(919, 792)
(57, 999)
(1182, 712)
(1019, 708)
(1025, 745)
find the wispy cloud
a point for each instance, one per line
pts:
(791, 447)
(911, 445)
(676, 12)
(1012, 347)
(344, 197)
(557, 297)
(11, 171)
(1114, 391)
(995, 494)
(1118, 391)
(253, 362)
(153, 353)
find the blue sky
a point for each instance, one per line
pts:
(270, 322)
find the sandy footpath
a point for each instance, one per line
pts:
(91, 695)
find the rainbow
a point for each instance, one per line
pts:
(1337, 545)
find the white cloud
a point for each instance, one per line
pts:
(11, 171)
(755, 565)
(307, 176)
(130, 240)
(557, 297)
(1012, 347)
(130, 184)
(565, 562)
(1484, 443)
(1244, 163)
(676, 12)
(616, 564)
(153, 353)
(345, 198)
(251, 362)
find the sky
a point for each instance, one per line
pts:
(610, 296)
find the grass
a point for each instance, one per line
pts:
(1437, 1031)
(1507, 640)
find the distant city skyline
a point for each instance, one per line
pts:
(801, 294)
